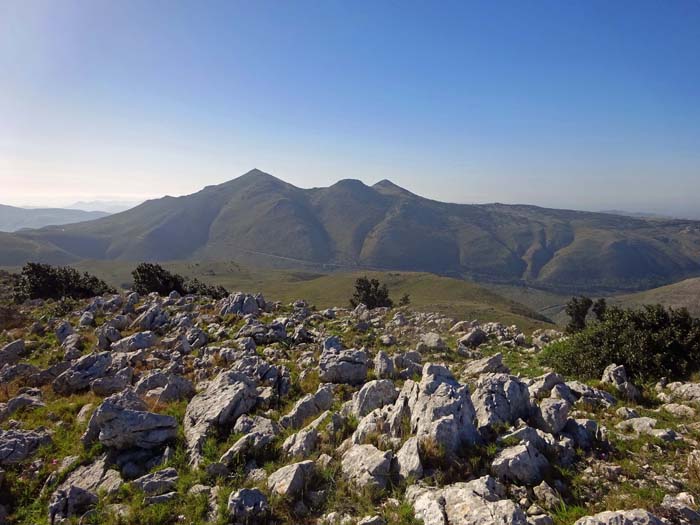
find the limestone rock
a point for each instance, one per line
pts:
(70, 502)
(308, 406)
(302, 444)
(290, 481)
(551, 415)
(478, 502)
(621, 517)
(474, 338)
(158, 483)
(120, 423)
(383, 366)
(11, 353)
(367, 466)
(343, 366)
(228, 396)
(137, 341)
(259, 433)
(18, 445)
(81, 373)
(616, 375)
(248, 507)
(500, 398)
(522, 464)
(490, 364)
(408, 460)
(374, 394)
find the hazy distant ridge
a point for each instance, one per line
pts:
(13, 219)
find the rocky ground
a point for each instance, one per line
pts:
(128, 409)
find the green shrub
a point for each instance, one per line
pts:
(651, 342)
(371, 293)
(577, 310)
(42, 281)
(149, 278)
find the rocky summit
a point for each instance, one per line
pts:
(182, 409)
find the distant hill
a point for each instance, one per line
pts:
(13, 219)
(684, 294)
(453, 297)
(261, 220)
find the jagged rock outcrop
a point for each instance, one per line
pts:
(500, 399)
(621, 517)
(227, 397)
(478, 502)
(18, 445)
(248, 507)
(289, 481)
(122, 422)
(308, 406)
(367, 466)
(343, 366)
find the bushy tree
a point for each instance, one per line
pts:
(599, 309)
(43, 281)
(149, 278)
(577, 310)
(651, 342)
(371, 293)
(195, 286)
(405, 300)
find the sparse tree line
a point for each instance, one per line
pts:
(43, 281)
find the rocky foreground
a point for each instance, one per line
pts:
(128, 409)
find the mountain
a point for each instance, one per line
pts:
(13, 219)
(259, 219)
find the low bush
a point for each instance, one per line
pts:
(43, 281)
(651, 342)
(150, 278)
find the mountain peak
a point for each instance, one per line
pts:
(388, 187)
(256, 173)
(254, 176)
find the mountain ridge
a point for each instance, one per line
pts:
(14, 218)
(352, 224)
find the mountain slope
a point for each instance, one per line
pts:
(258, 219)
(13, 219)
(684, 294)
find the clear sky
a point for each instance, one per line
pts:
(582, 104)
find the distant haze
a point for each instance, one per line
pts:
(581, 105)
(106, 206)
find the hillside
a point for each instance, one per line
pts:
(13, 219)
(428, 292)
(258, 219)
(155, 410)
(684, 294)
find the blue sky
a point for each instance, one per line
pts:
(590, 104)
